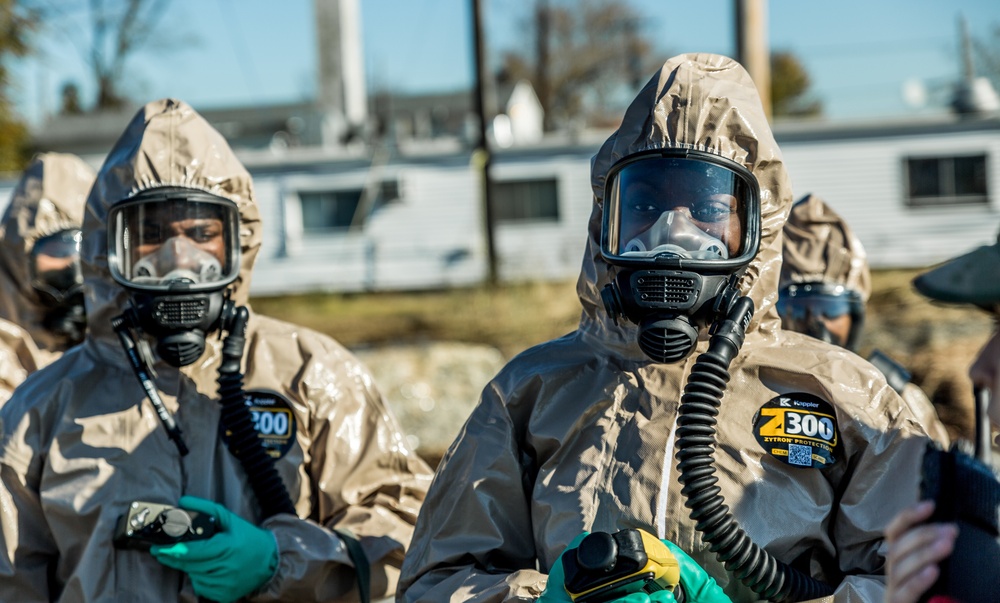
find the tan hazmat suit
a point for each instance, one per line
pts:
(49, 197)
(80, 441)
(578, 434)
(18, 357)
(819, 247)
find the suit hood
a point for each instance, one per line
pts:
(820, 247)
(699, 102)
(48, 198)
(167, 143)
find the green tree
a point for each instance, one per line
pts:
(581, 53)
(790, 83)
(17, 22)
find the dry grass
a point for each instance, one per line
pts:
(510, 318)
(936, 343)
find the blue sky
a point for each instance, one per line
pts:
(860, 53)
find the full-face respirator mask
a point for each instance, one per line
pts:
(176, 250)
(680, 227)
(56, 277)
(829, 312)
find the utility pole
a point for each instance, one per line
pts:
(543, 19)
(481, 155)
(752, 48)
(342, 97)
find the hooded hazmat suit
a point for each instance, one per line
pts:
(80, 440)
(49, 198)
(819, 247)
(577, 434)
(18, 357)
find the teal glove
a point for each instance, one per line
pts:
(233, 563)
(699, 587)
(555, 588)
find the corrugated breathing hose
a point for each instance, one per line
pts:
(706, 384)
(243, 441)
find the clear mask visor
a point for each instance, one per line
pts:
(831, 313)
(677, 207)
(55, 265)
(175, 243)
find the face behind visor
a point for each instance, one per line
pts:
(174, 239)
(661, 207)
(831, 313)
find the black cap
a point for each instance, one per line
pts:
(971, 278)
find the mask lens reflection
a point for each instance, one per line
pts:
(678, 206)
(176, 242)
(55, 264)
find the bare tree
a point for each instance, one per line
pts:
(584, 52)
(116, 30)
(119, 28)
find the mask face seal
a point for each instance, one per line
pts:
(176, 250)
(56, 277)
(680, 226)
(830, 313)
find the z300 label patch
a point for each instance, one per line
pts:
(799, 429)
(273, 421)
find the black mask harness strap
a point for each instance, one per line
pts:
(123, 325)
(243, 443)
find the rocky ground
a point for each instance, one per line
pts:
(432, 353)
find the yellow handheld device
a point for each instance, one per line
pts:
(605, 567)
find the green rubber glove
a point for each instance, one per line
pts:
(233, 563)
(699, 587)
(661, 596)
(555, 588)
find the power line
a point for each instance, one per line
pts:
(882, 47)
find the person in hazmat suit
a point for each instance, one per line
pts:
(143, 464)
(918, 544)
(18, 358)
(824, 287)
(611, 428)
(41, 287)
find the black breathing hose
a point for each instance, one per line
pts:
(243, 441)
(246, 446)
(755, 567)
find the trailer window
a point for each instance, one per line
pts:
(518, 201)
(935, 181)
(340, 210)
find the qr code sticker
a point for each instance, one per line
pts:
(800, 455)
